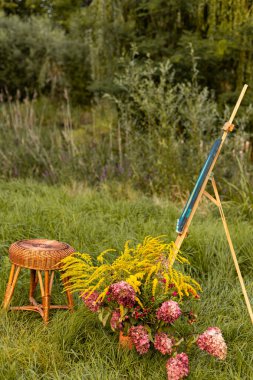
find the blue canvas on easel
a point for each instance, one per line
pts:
(195, 192)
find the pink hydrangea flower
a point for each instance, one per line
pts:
(178, 367)
(169, 311)
(212, 342)
(115, 320)
(123, 293)
(91, 301)
(163, 343)
(140, 339)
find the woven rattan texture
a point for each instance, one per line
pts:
(41, 254)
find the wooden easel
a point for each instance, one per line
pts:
(227, 128)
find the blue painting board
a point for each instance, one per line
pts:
(195, 192)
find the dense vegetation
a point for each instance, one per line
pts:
(80, 42)
(75, 346)
(123, 90)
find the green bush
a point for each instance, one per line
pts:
(36, 56)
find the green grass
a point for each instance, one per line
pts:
(75, 346)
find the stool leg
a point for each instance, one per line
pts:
(33, 282)
(51, 282)
(46, 297)
(11, 285)
(69, 295)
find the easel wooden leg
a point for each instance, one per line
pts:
(232, 249)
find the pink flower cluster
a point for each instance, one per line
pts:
(178, 367)
(212, 342)
(115, 320)
(163, 343)
(169, 311)
(140, 338)
(91, 301)
(123, 293)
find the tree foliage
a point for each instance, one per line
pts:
(35, 56)
(96, 34)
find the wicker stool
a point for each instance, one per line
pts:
(37, 255)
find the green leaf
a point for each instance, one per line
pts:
(100, 315)
(105, 319)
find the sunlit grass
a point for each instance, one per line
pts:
(75, 346)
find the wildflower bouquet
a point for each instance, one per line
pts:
(138, 293)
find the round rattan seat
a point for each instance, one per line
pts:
(42, 257)
(39, 254)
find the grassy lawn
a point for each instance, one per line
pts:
(75, 346)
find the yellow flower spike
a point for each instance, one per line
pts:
(127, 249)
(100, 282)
(139, 302)
(155, 283)
(100, 258)
(152, 270)
(134, 282)
(158, 267)
(122, 311)
(186, 291)
(102, 295)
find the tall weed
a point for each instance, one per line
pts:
(153, 133)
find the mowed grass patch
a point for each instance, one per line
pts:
(75, 346)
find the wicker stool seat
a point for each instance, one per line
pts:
(38, 255)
